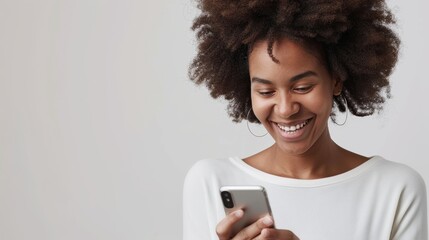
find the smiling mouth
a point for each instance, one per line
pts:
(293, 128)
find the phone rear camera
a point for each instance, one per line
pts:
(226, 199)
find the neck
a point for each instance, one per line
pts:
(321, 160)
(325, 158)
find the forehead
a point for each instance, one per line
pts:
(292, 55)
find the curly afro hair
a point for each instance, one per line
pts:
(356, 36)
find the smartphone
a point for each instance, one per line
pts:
(252, 200)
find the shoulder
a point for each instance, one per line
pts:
(206, 167)
(210, 164)
(400, 175)
(209, 170)
(202, 182)
(407, 192)
(399, 170)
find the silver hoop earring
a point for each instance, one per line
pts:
(344, 100)
(248, 126)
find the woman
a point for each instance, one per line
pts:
(290, 65)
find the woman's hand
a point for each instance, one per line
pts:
(262, 229)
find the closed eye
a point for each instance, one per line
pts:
(266, 93)
(303, 89)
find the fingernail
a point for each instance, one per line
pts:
(264, 233)
(267, 221)
(239, 213)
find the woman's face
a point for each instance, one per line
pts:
(292, 98)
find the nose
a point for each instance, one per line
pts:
(286, 106)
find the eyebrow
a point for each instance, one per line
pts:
(292, 79)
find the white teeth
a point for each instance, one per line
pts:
(292, 128)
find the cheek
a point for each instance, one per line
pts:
(320, 104)
(261, 108)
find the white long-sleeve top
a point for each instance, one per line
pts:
(378, 200)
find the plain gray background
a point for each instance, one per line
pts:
(99, 122)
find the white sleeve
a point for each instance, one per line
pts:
(198, 206)
(411, 216)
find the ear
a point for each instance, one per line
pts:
(338, 85)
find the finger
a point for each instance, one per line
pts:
(271, 233)
(224, 227)
(255, 229)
